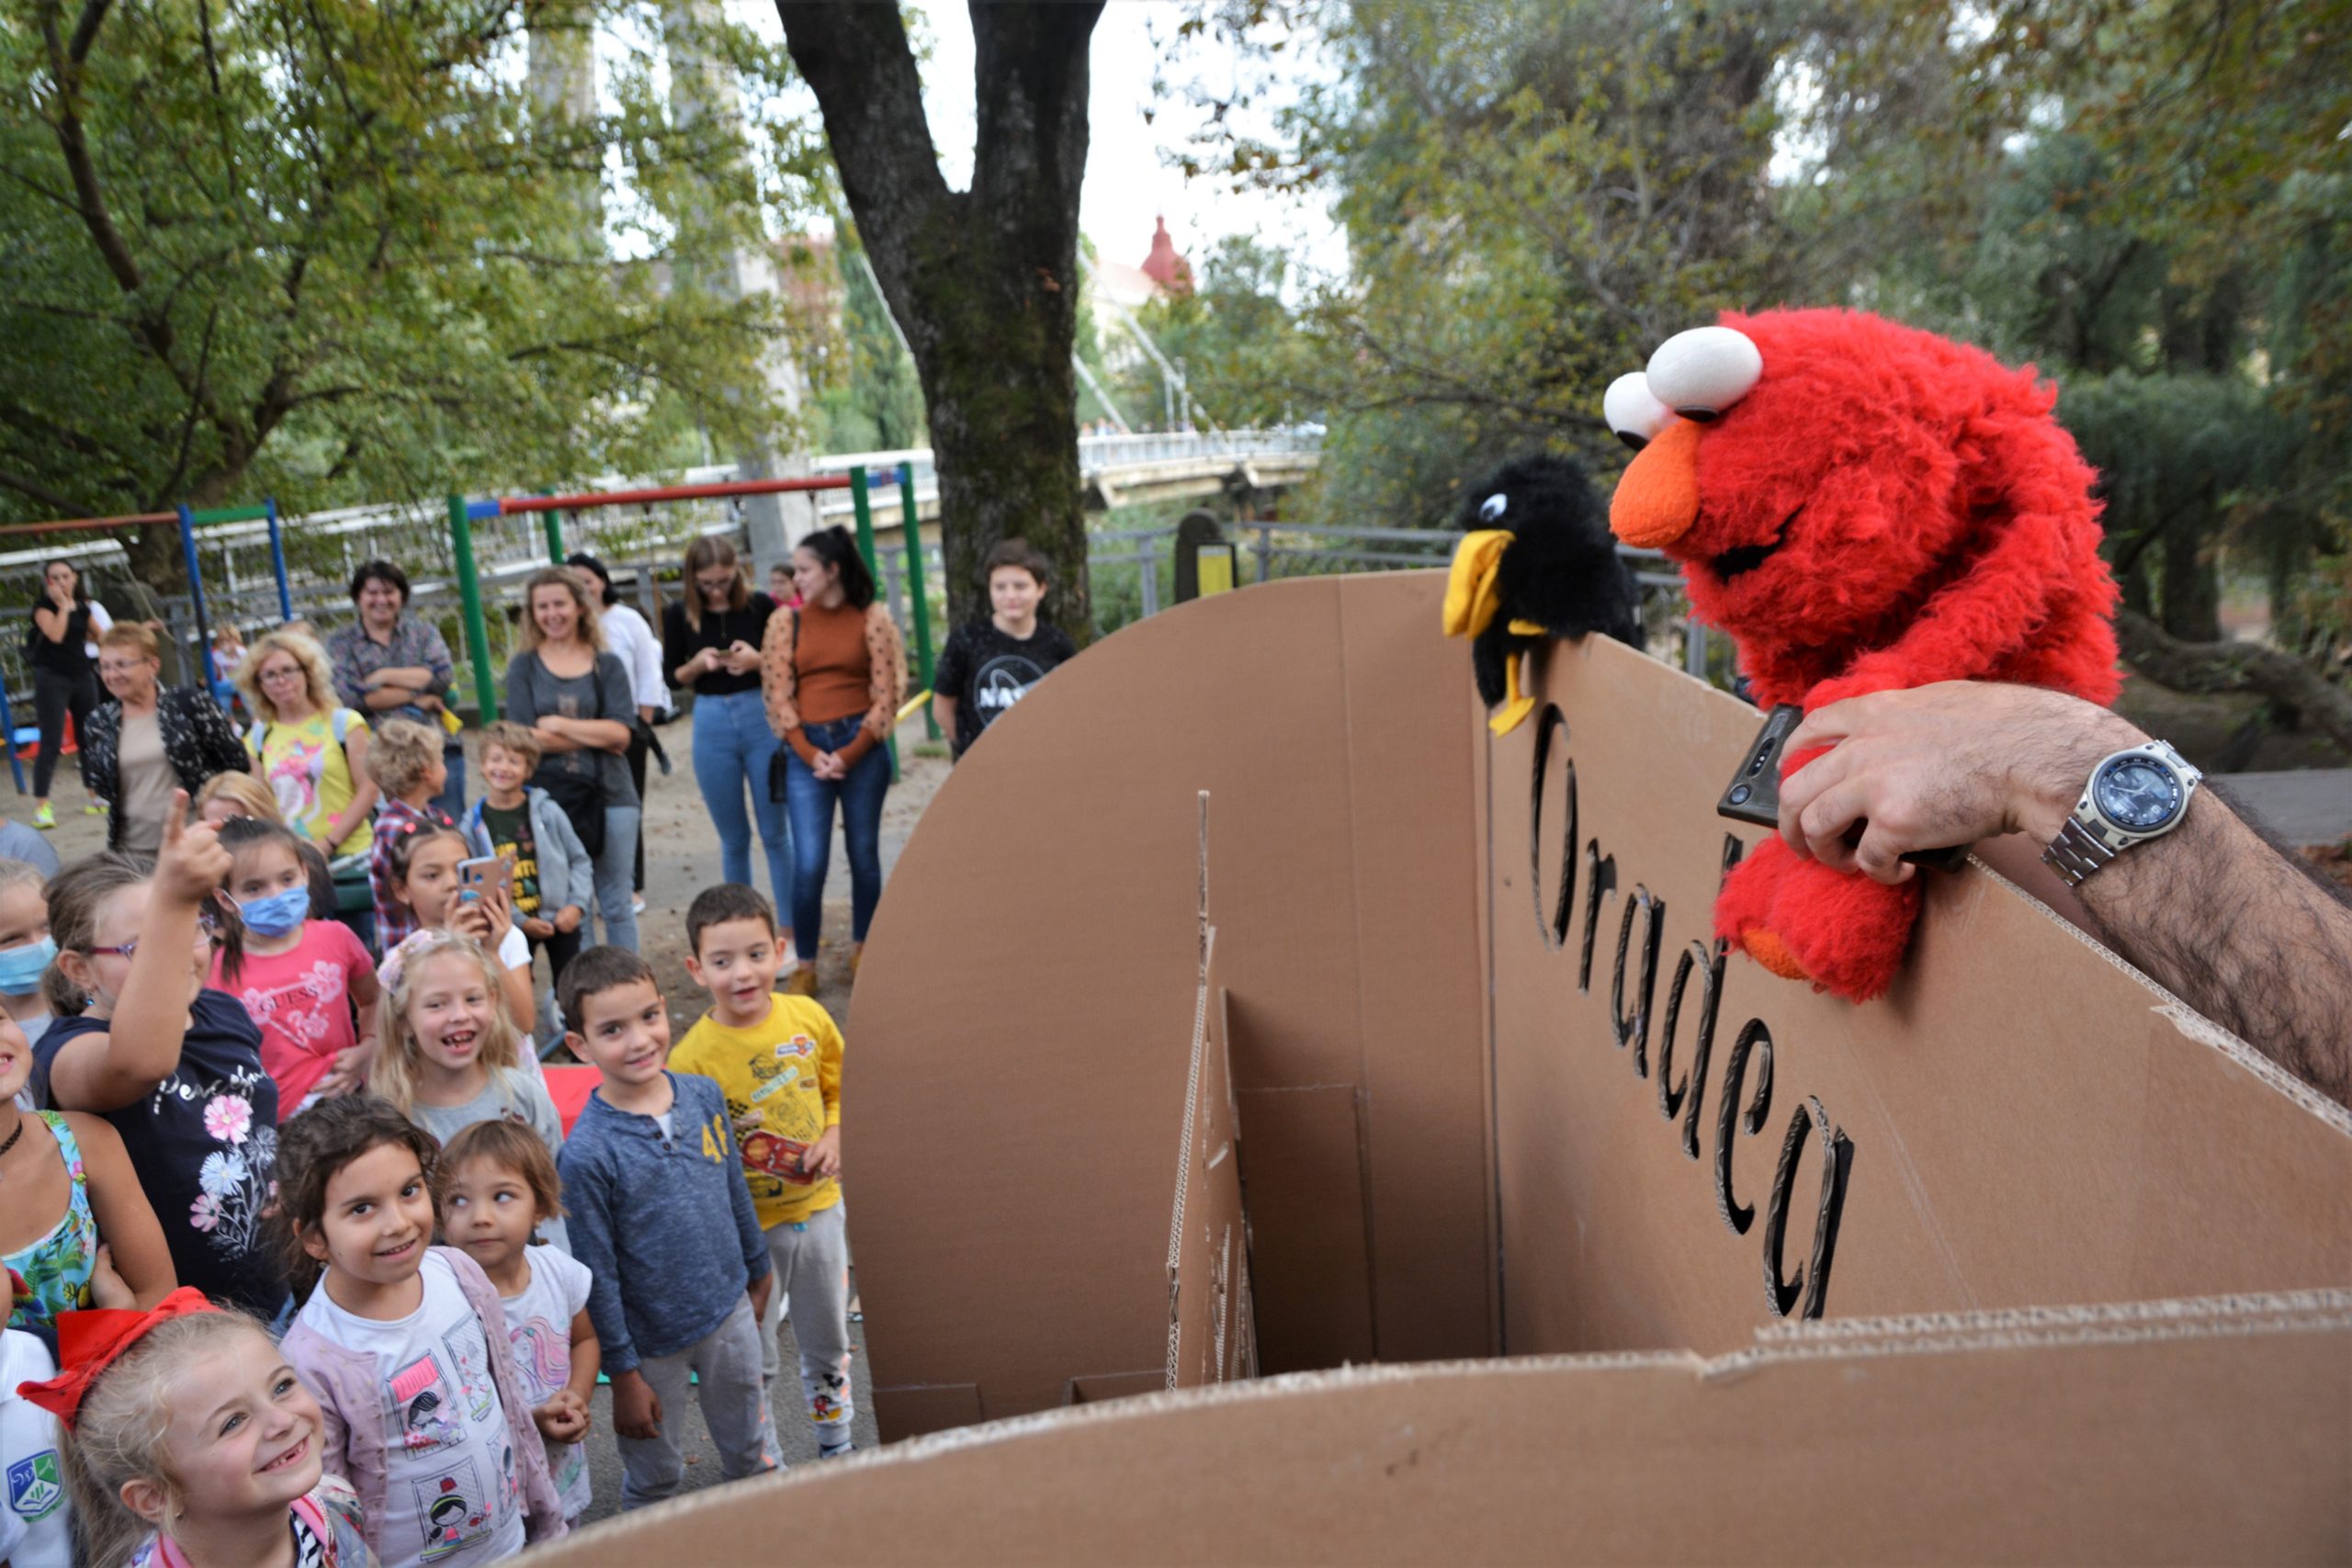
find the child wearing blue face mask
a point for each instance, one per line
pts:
(308, 984)
(26, 947)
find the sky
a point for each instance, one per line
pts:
(1128, 184)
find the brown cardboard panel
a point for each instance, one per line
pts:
(1302, 1180)
(926, 1407)
(2026, 1125)
(2079, 1442)
(1210, 1331)
(1418, 995)
(1021, 1056)
(1117, 1386)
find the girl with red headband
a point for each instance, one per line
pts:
(190, 1443)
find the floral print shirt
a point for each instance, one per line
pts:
(204, 1144)
(52, 1274)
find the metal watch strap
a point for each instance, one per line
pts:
(2075, 853)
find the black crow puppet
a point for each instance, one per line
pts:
(1536, 560)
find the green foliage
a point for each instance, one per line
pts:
(868, 397)
(331, 250)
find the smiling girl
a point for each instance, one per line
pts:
(449, 1057)
(190, 1443)
(406, 1344)
(175, 1066)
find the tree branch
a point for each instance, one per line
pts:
(2235, 667)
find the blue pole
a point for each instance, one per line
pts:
(277, 561)
(196, 594)
(8, 731)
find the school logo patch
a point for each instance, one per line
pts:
(34, 1487)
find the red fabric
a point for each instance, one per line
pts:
(570, 1088)
(90, 1342)
(1927, 520)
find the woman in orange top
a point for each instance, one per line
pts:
(834, 673)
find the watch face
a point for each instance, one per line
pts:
(2137, 793)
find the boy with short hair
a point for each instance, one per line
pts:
(661, 1217)
(405, 761)
(778, 1060)
(552, 873)
(990, 665)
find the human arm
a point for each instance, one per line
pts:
(943, 714)
(141, 1046)
(780, 680)
(2209, 910)
(564, 1419)
(127, 1222)
(885, 687)
(824, 1156)
(351, 1063)
(560, 734)
(587, 1192)
(364, 791)
(682, 661)
(51, 618)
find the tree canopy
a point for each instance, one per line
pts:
(332, 250)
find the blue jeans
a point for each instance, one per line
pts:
(614, 865)
(810, 800)
(733, 748)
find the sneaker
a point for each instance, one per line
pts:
(44, 816)
(96, 808)
(636, 904)
(803, 981)
(839, 1450)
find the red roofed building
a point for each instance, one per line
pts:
(1164, 266)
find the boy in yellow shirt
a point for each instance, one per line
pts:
(778, 1061)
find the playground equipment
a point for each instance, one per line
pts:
(465, 514)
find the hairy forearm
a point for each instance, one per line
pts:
(2220, 919)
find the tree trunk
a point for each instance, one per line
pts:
(2190, 583)
(984, 283)
(2235, 667)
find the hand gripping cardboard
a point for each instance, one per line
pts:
(1661, 1259)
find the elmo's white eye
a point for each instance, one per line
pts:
(1701, 373)
(1633, 413)
(1493, 507)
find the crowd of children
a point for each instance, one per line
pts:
(305, 1269)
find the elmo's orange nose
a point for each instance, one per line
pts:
(1657, 498)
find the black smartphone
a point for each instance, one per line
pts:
(1754, 794)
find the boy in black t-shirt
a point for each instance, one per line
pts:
(553, 875)
(990, 665)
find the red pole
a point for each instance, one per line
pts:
(514, 503)
(87, 524)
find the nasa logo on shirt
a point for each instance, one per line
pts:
(1002, 682)
(34, 1487)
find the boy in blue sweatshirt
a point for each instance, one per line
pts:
(660, 1214)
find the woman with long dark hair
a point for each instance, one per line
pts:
(834, 673)
(710, 641)
(63, 678)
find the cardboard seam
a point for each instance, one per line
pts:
(1740, 1362)
(2192, 1025)
(1355, 927)
(2170, 1309)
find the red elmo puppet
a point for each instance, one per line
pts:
(1862, 506)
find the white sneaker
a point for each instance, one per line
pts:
(636, 904)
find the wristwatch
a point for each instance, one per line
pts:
(2133, 795)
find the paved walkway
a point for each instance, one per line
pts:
(2312, 805)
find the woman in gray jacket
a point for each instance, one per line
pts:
(555, 879)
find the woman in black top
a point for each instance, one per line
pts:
(711, 642)
(64, 680)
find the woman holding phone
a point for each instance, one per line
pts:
(711, 643)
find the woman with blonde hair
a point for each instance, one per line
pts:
(306, 746)
(564, 685)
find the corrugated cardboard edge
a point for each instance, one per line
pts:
(1856, 1341)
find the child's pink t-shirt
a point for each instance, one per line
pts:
(300, 1000)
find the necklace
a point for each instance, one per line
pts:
(11, 1142)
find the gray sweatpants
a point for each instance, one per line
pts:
(812, 1274)
(726, 1367)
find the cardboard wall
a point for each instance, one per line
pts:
(2175, 1433)
(1021, 1041)
(2029, 1121)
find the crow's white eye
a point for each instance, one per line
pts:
(1491, 509)
(1632, 411)
(1701, 373)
